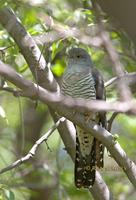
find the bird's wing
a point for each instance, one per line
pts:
(100, 94)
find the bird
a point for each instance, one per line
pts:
(81, 80)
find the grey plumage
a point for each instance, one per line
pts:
(82, 80)
(78, 85)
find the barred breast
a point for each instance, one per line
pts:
(78, 86)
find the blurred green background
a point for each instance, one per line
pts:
(50, 174)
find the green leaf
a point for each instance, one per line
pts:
(2, 112)
(23, 68)
(58, 69)
(10, 195)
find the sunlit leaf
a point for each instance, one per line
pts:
(2, 112)
(58, 69)
(10, 195)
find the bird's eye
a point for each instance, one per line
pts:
(78, 56)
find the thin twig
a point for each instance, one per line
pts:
(110, 82)
(10, 90)
(5, 48)
(34, 148)
(61, 31)
(128, 78)
(110, 121)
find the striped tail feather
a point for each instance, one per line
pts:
(85, 166)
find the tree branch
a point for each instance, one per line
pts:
(128, 78)
(104, 191)
(110, 121)
(28, 48)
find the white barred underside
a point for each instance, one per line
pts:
(78, 86)
(85, 140)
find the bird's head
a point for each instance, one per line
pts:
(79, 56)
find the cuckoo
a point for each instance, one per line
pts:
(82, 80)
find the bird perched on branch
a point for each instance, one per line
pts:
(82, 80)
